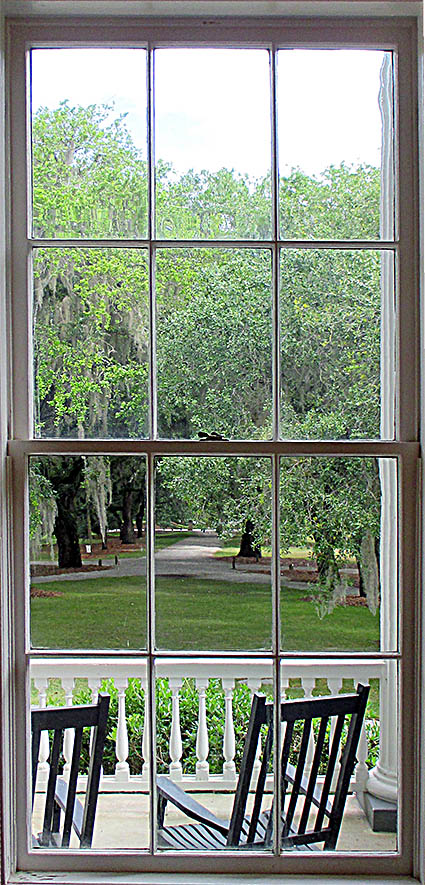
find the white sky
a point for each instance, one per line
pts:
(212, 106)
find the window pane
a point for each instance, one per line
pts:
(89, 142)
(214, 334)
(337, 327)
(91, 342)
(212, 143)
(213, 572)
(122, 817)
(368, 823)
(338, 532)
(202, 717)
(336, 133)
(88, 552)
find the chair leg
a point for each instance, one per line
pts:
(160, 812)
(56, 818)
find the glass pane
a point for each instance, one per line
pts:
(338, 532)
(91, 342)
(212, 562)
(214, 329)
(336, 133)
(212, 143)
(88, 552)
(122, 816)
(337, 312)
(89, 142)
(368, 823)
(202, 716)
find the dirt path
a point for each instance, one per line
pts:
(191, 557)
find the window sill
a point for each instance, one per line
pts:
(196, 879)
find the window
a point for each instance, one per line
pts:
(218, 330)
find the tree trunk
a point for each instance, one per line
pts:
(65, 477)
(362, 591)
(127, 535)
(69, 555)
(326, 565)
(139, 518)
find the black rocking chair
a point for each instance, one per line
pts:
(61, 792)
(311, 813)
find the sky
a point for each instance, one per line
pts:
(213, 106)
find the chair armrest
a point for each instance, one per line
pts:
(169, 791)
(61, 793)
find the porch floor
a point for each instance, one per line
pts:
(122, 822)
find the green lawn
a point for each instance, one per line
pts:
(191, 613)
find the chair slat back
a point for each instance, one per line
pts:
(58, 720)
(310, 812)
(313, 814)
(261, 714)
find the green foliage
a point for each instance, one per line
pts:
(215, 713)
(213, 328)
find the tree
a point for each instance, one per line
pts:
(214, 323)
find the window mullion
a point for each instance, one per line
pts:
(152, 253)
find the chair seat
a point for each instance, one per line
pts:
(201, 837)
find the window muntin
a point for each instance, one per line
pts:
(288, 861)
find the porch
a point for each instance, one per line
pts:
(123, 808)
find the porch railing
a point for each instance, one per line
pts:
(253, 673)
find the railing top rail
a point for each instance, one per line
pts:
(207, 668)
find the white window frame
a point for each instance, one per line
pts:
(385, 34)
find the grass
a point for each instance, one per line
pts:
(111, 613)
(232, 547)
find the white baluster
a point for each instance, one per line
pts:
(335, 685)
(43, 753)
(69, 734)
(145, 738)
(122, 768)
(308, 684)
(229, 744)
(202, 745)
(94, 688)
(176, 748)
(361, 773)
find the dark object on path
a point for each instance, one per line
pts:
(61, 793)
(298, 831)
(246, 548)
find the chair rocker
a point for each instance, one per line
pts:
(311, 813)
(61, 792)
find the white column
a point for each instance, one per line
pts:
(229, 743)
(69, 735)
(383, 778)
(202, 745)
(43, 753)
(176, 748)
(122, 768)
